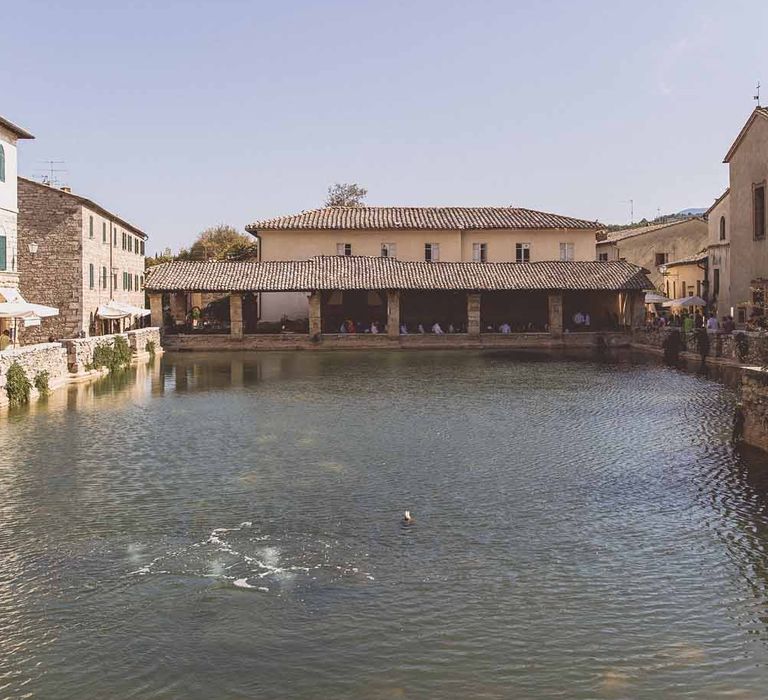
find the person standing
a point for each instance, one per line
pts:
(5, 340)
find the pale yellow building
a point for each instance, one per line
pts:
(685, 277)
(652, 246)
(738, 247)
(432, 234)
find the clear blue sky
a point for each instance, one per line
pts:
(181, 115)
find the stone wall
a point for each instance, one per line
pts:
(721, 345)
(53, 275)
(49, 357)
(754, 399)
(360, 341)
(80, 350)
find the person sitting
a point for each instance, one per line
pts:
(403, 329)
(5, 340)
(505, 328)
(343, 327)
(451, 329)
(436, 329)
(420, 329)
(587, 320)
(351, 326)
(374, 328)
(578, 319)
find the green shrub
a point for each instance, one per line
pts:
(114, 356)
(41, 382)
(17, 385)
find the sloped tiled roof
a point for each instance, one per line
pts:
(420, 218)
(357, 272)
(16, 130)
(719, 199)
(757, 113)
(620, 235)
(690, 260)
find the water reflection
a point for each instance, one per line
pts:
(229, 526)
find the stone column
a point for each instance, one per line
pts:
(473, 314)
(236, 315)
(196, 300)
(393, 313)
(178, 307)
(156, 309)
(637, 309)
(315, 316)
(556, 314)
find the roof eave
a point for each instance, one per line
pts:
(14, 129)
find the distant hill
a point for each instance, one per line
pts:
(695, 211)
(665, 218)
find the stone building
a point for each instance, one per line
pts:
(738, 246)
(77, 256)
(504, 304)
(654, 245)
(431, 234)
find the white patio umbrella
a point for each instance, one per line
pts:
(685, 302)
(654, 298)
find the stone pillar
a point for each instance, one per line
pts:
(556, 314)
(473, 314)
(156, 309)
(637, 310)
(315, 316)
(178, 307)
(236, 315)
(393, 313)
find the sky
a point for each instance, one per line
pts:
(178, 116)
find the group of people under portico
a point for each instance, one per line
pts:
(349, 326)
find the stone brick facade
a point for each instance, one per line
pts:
(83, 260)
(79, 351)
(754, 399)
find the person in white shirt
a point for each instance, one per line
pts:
(343, 327)
(505, 328)
(586, 319)
(578, 319)
(403, 329)
(436, 329)
(374, 327)
(420, 329)
(712, 323)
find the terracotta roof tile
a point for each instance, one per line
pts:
(613, 236)
(420, 218)
(357, 272)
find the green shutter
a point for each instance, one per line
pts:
(90, 275)
(2, 253)
(2, 173)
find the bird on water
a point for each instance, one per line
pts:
(407, 518)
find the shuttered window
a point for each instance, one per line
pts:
(103, 231)
(91, 280)
(90, 227)
(2, 253)
(103, 277)
(2, 166)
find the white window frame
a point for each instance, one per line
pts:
(567, 251)
(342, 248)
(480, 252)
(432, 252)
(521, 248)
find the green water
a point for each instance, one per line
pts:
(228, 526)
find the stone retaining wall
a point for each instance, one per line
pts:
(80, 350)
(366, 341)
(721, 345)
(754, 399)
(45, 357)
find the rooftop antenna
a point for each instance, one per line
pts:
(757, 96)
(49, 176)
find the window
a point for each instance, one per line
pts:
(522, 252)
(103, 277)
(90, 227)
(480, 252)
(662, 259)
(142, 248)
(125, 283)
(388, 250)
(114, 281)
(3, 256)
(136, 282)
(124, 241)
(566, 251)
(343, 249)
(758, 199)
(130, 243)
(114, 238)
(2, 164)
(722, 228)
(91, 281)
(741, 315)
(602, 257)
(103, 231)
(432, 252)
(715, 282)
(141, 281)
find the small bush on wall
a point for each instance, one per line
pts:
(17, 385)
(114, 356)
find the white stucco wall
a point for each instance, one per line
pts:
(9, 209)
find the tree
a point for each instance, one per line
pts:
(217, 243)
(343, 194)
